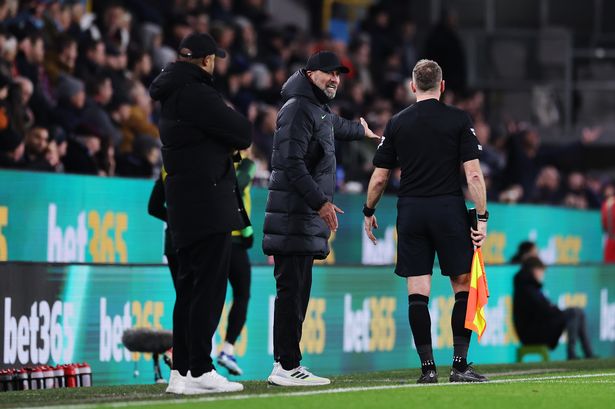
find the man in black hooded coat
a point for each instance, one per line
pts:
(199, 134)
(300, 213)
(537, 320)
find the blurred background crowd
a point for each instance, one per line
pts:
(74, 78)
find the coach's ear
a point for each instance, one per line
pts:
(412, 87)
(442, 87)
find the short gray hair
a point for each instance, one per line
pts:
(427, 75)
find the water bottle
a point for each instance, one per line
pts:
(70, 376)
(48, 377)
(36, 378)
(6, 380)
(58, 374)
(20, 378)
(85, 374)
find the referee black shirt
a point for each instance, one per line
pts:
(428, 140)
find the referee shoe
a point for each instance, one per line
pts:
(299, 376)
(469, 375)
(430, 376)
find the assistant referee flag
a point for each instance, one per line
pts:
(479, 292)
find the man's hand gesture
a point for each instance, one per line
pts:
(368, 132)
(328, 213)
(371, 222)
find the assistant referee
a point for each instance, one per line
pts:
(429, 140)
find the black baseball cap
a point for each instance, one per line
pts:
(325, 61)
(200, 45)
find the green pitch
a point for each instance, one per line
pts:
(557, 385)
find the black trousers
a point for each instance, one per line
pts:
(200, 291)
(293, 277)
(576, 328)
(173, 263)
(239, 277)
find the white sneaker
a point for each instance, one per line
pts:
(299, 376)
(230, 363)
(210, 382)
(177, 383)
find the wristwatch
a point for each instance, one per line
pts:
(483, 217)
(368, 211)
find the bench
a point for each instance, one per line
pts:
(537, 349)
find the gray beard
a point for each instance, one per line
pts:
(329, 92)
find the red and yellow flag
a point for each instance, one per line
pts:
(479, 292)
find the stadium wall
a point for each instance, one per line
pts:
(68, 218)
(356, 321)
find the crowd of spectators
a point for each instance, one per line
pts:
(74, 90)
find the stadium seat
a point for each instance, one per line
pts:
(537, 349)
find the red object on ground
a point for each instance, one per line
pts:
(70, 376)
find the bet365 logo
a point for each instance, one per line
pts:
(48, 332)
(371, 328)
(138, 314)
(101, 237)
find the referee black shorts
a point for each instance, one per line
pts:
(430, 225)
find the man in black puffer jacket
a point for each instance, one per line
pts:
(199, 136)
(300, 213)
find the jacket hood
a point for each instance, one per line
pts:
(298, 85)
(175, 75)
(525, 277)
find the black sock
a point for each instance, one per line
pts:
(420, 323)
(461, 335)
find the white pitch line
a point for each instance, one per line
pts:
(220, 397)
(488, 374)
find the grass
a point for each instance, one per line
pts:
(588, 383)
